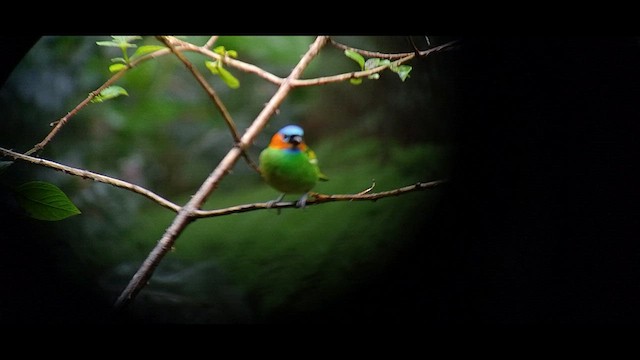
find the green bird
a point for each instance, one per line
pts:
(289, 165)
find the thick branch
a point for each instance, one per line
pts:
(187, 213)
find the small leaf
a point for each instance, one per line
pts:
(355, 81)
(371, 63)
(125, 41)
(45, 201)
(219, 50)
(119, 60)
(117, 67)
(402, 71)
(109, 93)
(232, 53)
(119, 41)
(375, 76)
(229, 79)
(375, 62)
(107, 43)
(146, 49)
(355, 57)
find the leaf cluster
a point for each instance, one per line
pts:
(372, 63)
(216, 67)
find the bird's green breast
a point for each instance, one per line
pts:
(288, 171)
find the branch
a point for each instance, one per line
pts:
(240, 65)
(317, 197)
(375, 54)
(204, 50)
(62, 121)
(352, 75)
(85, 174)
(370, 54)
(320, 199)
(249, 68)
(187, 213)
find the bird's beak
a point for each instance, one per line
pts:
(295, 140)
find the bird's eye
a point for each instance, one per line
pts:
(292, 139)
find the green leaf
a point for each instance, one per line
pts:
(219, 50)
(229, 79)
(109, 93)
(146, 49)
(355, 81)
(4, 165)
(402, 71)
(216, 68)
(117, 67)
(45, 201)
(355, 57)
(232, 53)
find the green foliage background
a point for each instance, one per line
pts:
(344, 261)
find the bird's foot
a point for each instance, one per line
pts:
(271, 203)
(302, 201)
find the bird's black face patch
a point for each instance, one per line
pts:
(295, 140)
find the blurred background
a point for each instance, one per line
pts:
(348, 260)
(537, 225)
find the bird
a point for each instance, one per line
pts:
(288, 165)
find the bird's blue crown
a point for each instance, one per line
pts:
(292, 130)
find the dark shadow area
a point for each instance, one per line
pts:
(537, 224)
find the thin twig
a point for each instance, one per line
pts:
(317, 199)
(322, 198)
(240, 65)
(375, 54)
(369, 189)
(352, 75)
(210, 42)
(205, 85)
(57, 125)
(85, 174)
(63, 120)
(168, 41)
(370, 54)
(187, 212)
